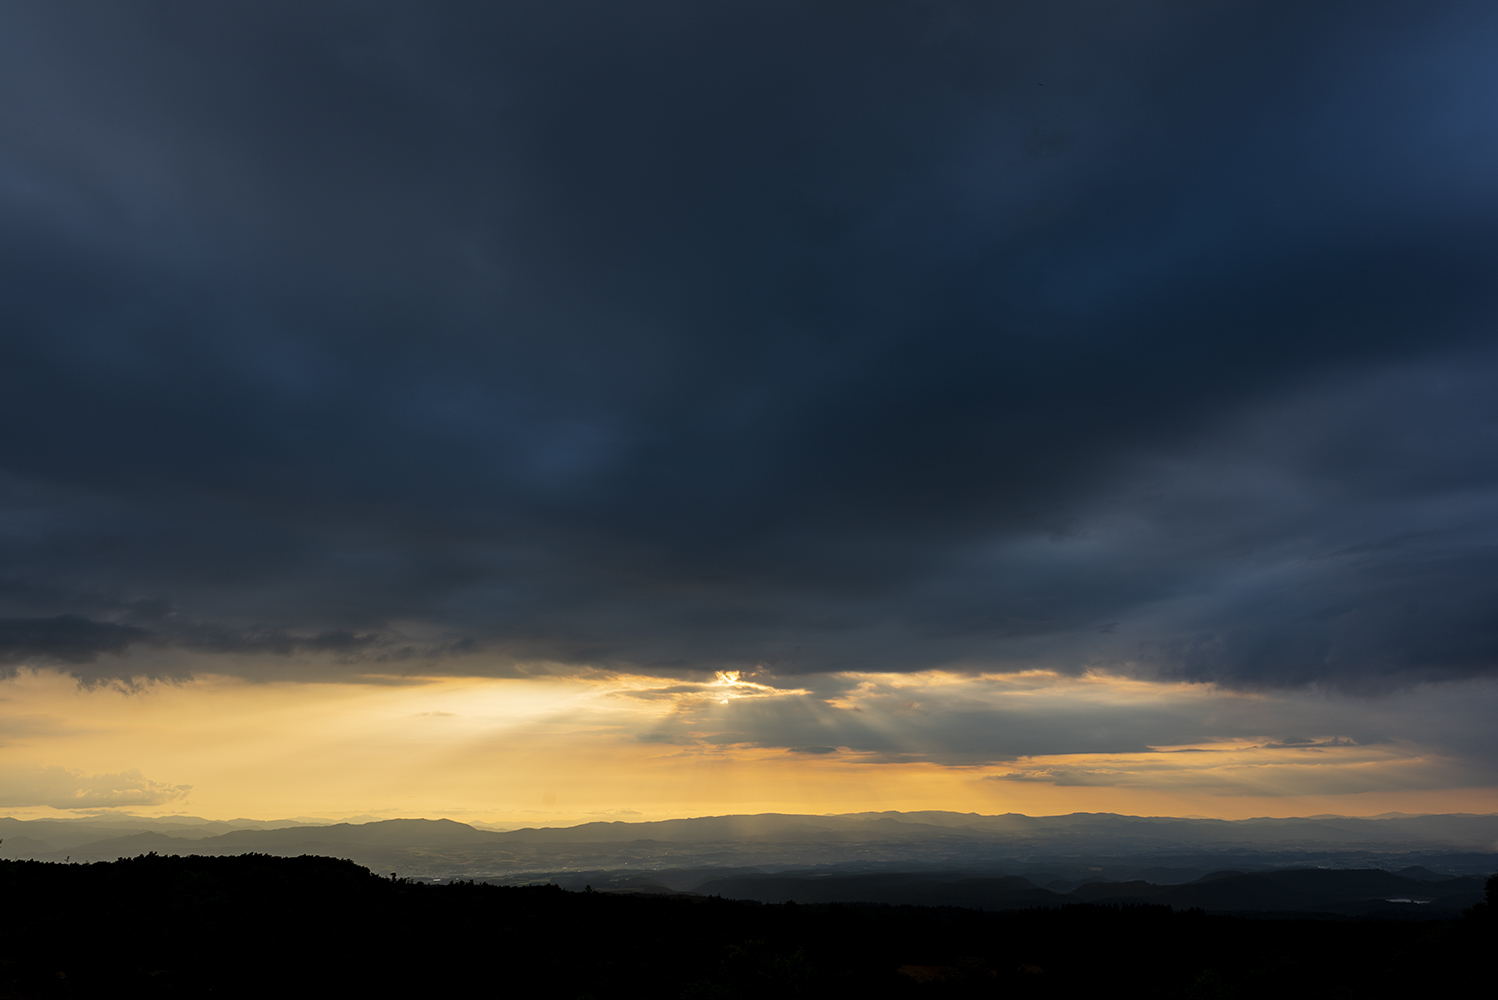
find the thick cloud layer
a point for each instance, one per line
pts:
(806, 336)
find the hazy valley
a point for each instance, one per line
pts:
(1425, 865)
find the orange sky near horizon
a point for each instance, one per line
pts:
(557, 751)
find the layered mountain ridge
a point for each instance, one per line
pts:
(1069, 849)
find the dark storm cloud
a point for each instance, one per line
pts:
(813, 336)
(65, 638)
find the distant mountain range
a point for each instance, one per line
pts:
(1049, 855)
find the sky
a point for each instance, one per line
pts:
(543, 412)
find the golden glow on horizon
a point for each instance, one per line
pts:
(557, 750)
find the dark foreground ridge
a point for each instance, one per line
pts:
(256, 925)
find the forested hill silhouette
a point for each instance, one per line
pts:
(256, 925)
